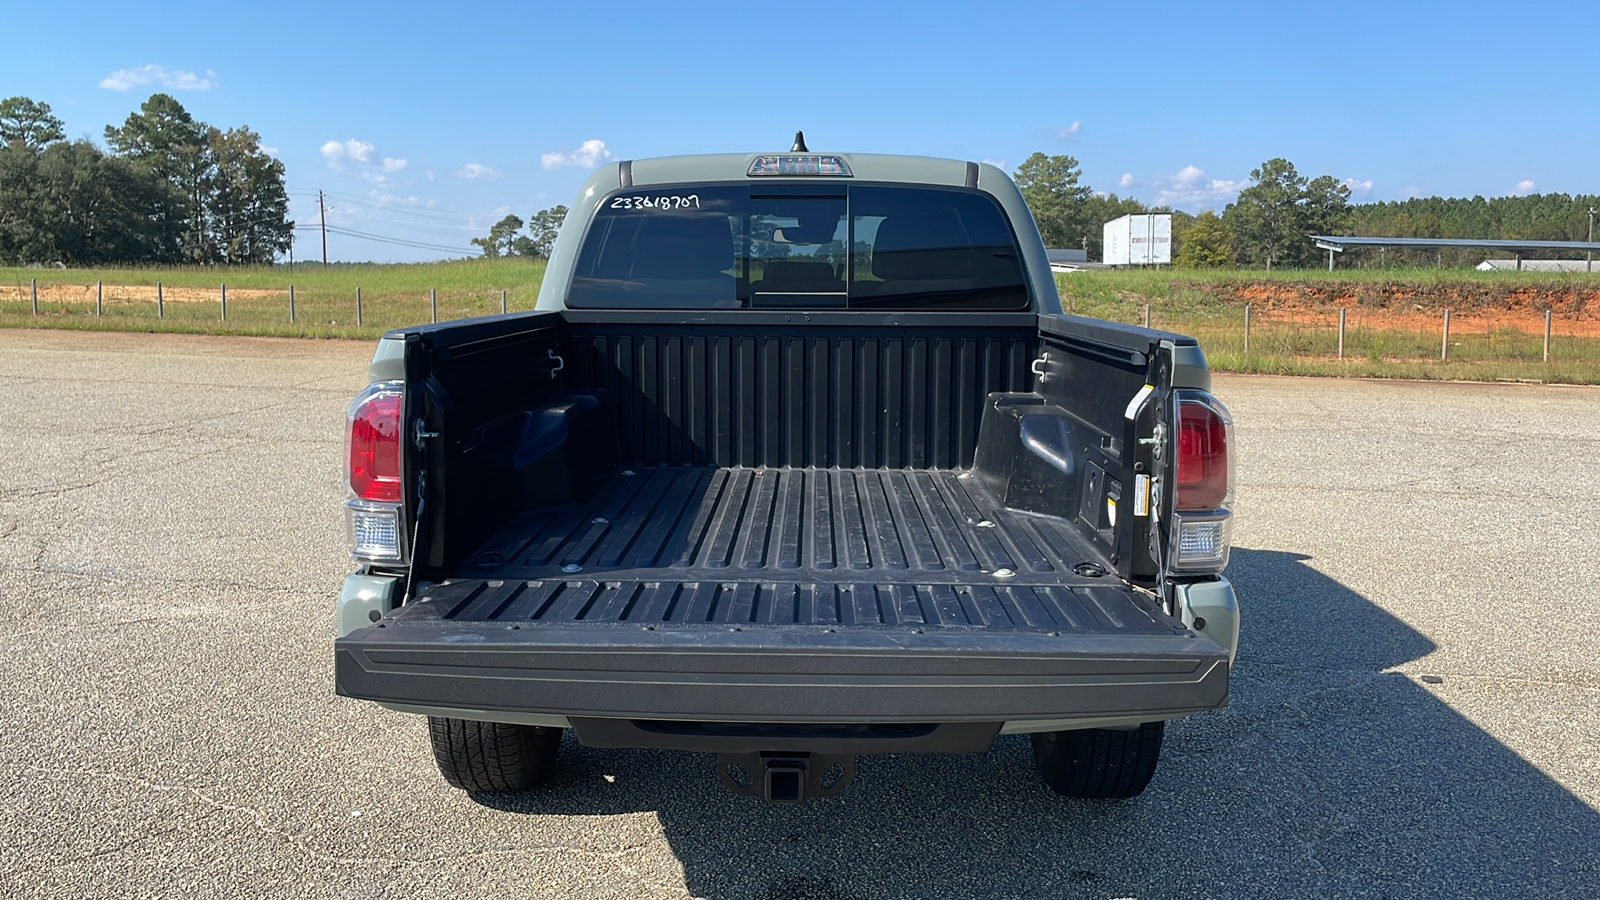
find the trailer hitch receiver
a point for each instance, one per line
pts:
(785, 778)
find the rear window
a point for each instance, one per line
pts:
(799, 247)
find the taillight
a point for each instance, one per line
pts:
(374, 473)
(1203, 532)
(1203, 437)
(375, 431)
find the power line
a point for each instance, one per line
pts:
(386, 239)
(475, 229)
(454, 219)
(369, 201)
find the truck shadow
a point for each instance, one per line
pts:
(1328, 777)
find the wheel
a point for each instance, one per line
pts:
(493, 756)
(1097, 763)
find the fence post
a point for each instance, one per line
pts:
(1341, 332)
(358, 307)
(99, 297)
(1247, 329)
(503, 303)
(224, 302)
(1147, 315)
(161, 306)
(1547, 335)
(433, 295)
(291, 304)
(35, 295)
(1444, 349)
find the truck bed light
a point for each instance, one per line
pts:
(799, 164)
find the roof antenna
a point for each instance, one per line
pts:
(799, 143)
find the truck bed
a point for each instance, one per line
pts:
(785, 594)
(791, 546)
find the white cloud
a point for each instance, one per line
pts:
(587, 156)
(1524, 188)
(997, 163)
(475, 171)
(1191, 188)
(1358, 189)
(159, 76)
(363, 157)
(1067, 133)
(1410, 193)
(338, 154)
(1125, 181)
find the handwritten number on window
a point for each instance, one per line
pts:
(669, 202)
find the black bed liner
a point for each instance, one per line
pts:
(820, 595)
(899, 526)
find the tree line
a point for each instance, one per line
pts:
(169, 190)
(1269, 224)
(505, 237)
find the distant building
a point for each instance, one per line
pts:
(1069, 260)
(1537, 265)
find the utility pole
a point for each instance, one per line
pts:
(1588, 264)
(322, 213)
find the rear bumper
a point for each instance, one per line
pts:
(781, 673)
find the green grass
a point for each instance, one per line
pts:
(1210, 306)
(392, 296)
(1207, 305)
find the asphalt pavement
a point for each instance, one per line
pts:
(1416, 706)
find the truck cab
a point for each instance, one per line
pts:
(797, 460)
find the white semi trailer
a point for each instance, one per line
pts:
(1138, 240)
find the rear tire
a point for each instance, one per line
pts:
(493, 756)
(1098, 763)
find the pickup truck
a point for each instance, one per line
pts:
(797, 459)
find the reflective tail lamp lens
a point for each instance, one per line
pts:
(374, 532)
(1205, 436)
(1203, 530)
(374, 507)
(1202, 541)
(374, 445)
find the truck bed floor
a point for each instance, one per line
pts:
(851, 547)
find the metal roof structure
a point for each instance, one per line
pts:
(1340, 244)
(1334, 244)
(1536, 265)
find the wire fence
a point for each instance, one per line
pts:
(286, 310)
(1236, 337)
(1357, 333)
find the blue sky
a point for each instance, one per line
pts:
(428, 122)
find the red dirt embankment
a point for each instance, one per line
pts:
(1475, 308)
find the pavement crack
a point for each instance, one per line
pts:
(55, 493)
(299, 844)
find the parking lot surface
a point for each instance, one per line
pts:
(1416, 706)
